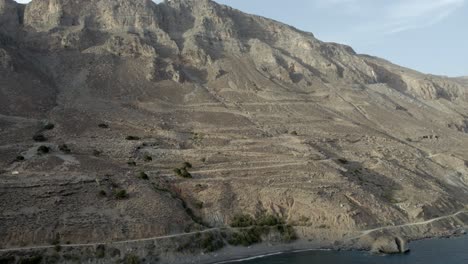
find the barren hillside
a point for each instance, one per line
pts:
(96, 94)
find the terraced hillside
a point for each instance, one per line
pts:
(102, 102)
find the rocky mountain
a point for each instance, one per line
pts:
(102, 102)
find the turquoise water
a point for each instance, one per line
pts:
(437, 251)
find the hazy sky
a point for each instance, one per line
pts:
(425, 35)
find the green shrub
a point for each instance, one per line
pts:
(49, 126)
(343, 161)
(120, 194)
(199, 205)
(100, 251)
(31, 260)
(64, 148)
(132, 138)
(7, 260)
(97, 153)
(104, 126)
(187, 165)
(142, 175)
(211, 243)
(114, 252)
(242, 220)
(52, 259)
(43, 150)
(19, 158)
(287, 232)
(39, 138)
(182, 172)
(294, 133)
(268, 220)
(131, 163)
(58, 248)
(147, 158)
(102, 193)
(247, 237)
(131, 259)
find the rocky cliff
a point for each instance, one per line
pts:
(272, 121)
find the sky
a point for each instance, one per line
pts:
(424, 35)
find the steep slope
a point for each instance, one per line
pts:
(273, 121)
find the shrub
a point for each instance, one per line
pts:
(102, 125)
(247, 237)
(64, 148)
(49, 126)
(58, 248)
(199, 205)
(7, 260)
(343, 161)
(114, 252)
(211, 243)
(100, 251)
(102, 193)
(97, 153)
(287, 232)
(19, 158)
(147, 158)
(131, 259)
(132, 138)
(43, 150)
(294, 133)
(131, 163)
(187, 165)
(142, 175)
(183, 173)
(268, 220)
(31, 260)
(120, 194)
(242, 220)
(39, 138)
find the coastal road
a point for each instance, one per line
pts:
(108, 243)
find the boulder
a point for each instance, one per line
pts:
(390, 245)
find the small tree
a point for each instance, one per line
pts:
(120, 194)
(43, 150)
(49, 126)
(64, 148)
(39, 138)
(19, 158)
(147, 158)
(142, 175)
(187, 165)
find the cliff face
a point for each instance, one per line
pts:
(273, 121)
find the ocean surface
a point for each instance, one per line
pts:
(437, 251)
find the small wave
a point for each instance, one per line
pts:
(251, 258)
(308, 250)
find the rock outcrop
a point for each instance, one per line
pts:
(390, 245)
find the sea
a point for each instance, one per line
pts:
(432, 251)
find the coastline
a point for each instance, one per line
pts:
(310, 239)
(258, 251)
